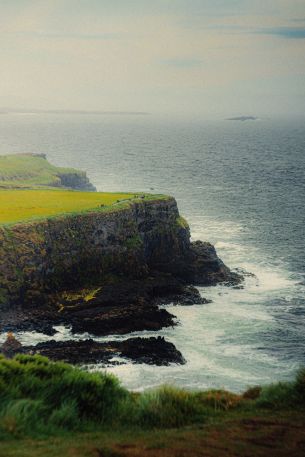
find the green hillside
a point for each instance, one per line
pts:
(34, 171)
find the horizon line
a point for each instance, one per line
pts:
(66, 111)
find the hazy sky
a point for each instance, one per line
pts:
(198, 57)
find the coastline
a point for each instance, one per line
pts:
(104, 271)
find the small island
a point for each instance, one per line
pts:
(242, 118)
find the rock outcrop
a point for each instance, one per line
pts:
(152, 351)
(11, 346)
(75, 180)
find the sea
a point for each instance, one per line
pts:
(241, 186)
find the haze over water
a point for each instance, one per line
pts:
(241, 185)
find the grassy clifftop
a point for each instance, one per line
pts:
(32, 188)
(34, 171)
(25, 205)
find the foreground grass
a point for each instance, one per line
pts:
(24, 205)
(263, 434)
(54, 409)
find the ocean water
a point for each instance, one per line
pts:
(241, 185)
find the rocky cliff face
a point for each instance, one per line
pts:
(75, 180)
(69, 252)
(65, 253)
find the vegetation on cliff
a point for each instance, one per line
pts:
(39, 398)
(34, 171)
(25, 205)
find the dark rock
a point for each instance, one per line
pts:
(153, 351)
(203, 267)
(120, 306)
(119, 320)
(184, 296)
(77, 181)
(11, 346)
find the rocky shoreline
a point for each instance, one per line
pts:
(120, 306)
(105, 273)
(152, 351)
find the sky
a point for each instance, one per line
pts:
(209, 58)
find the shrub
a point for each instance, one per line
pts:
(277, 395)
(35, 392)
(169, 407)
(219, 400)
(299, 386)
(252, 393)
(66, 416)
(23, 416)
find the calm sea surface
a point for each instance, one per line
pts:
(241, 185)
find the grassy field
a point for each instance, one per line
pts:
(30, 170)
(25, 205)
(31, 188)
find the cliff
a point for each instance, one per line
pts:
(100, 263)
(71, 252)
(34, 171)
(104, 272)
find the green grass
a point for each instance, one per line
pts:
(31, 188)
(279, 434)
(40, 398)
(25, 205)
(30, 170)
(181, 222)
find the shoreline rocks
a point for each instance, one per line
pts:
(104, 272)
(118, 306)
(152, 351)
